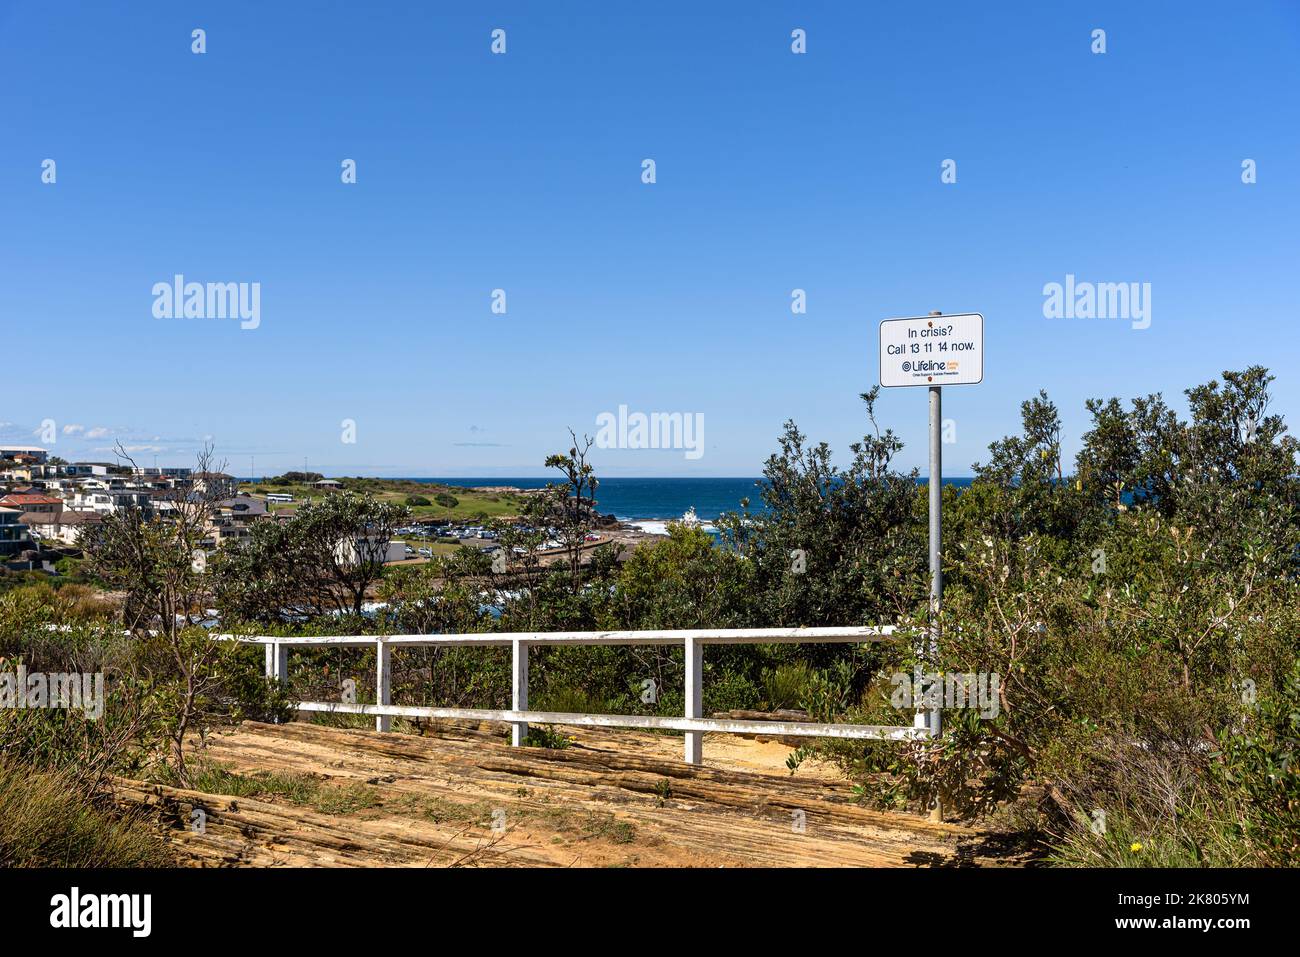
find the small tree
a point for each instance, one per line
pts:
(325, 558)
(571, 505)
(153, 557)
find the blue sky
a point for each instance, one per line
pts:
(522, 172)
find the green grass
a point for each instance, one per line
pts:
(580, 825)
(785, 686)
(590, 825)
(302, 789)
(469, 502)
(441, 811)
(47, 821)
(545, 736)
(309, 791)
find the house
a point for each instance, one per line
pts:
(328, 485)
(359, 548)
(163, 502)
(109, 500)
(214, 483)
(169, 472)
(14, 536)
(222, 531)
(28, 471)
(92, 500)
(23, 463)
(242, 508)
(32, 502)
(62, 526)
(30, 454)
(59, 486)
(232, 520)
(86, 469)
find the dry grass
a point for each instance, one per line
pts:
(46, 821)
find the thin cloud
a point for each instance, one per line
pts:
(130, 448)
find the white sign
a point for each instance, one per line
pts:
(932, 350)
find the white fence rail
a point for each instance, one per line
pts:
(518, 716)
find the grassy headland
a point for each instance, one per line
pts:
(449, 502)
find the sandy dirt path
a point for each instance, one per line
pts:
(458, 795)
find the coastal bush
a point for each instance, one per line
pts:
(1140, 611)
(446, 500)
(1142, 618)
(417, 500)
(682, 582)
(324, 559)
(295, 478)
(149, 703)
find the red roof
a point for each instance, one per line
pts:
(29, 498)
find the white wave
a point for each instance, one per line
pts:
(660, 526)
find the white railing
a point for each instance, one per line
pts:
(518, 716)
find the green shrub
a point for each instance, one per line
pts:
(545, 736)
(785, 685)
(574, 701)
(1260, 761)
(729, 691)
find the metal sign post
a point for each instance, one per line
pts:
(936, 532)
(930, 352)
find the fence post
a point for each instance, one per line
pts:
(383, 683)
(518, 690)
(934, 720)
(277, 664)
(694, 698)
(280, 666)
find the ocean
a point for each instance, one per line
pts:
(659, 499)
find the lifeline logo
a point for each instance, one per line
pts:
(103, 910)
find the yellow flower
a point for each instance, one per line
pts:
(1135, 847)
